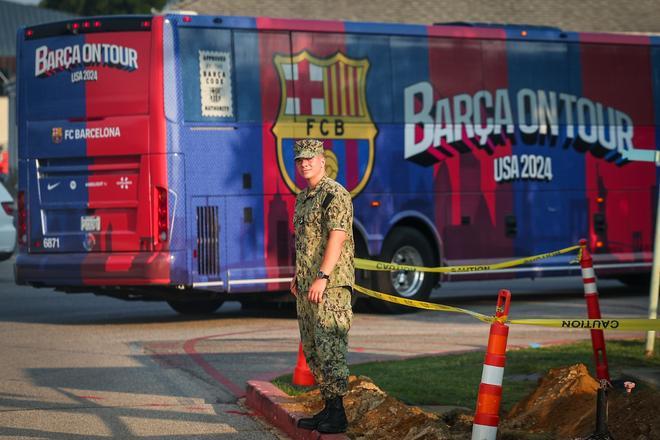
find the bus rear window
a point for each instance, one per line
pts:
(86, 75)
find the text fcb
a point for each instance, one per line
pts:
(325, 98)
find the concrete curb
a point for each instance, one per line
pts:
(269, 401)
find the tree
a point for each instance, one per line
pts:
(103, 7)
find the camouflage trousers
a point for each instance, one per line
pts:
(324, 335)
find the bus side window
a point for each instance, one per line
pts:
(248, 66)
(341, 71)
(207, 75)
(258, 84)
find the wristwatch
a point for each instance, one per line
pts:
(320, 275)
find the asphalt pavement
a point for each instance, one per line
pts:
(82, 366)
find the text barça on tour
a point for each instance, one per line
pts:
(607, 131)
(48, 61)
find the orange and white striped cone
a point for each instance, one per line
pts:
(486, 417)
(302, 376)
(593, 311)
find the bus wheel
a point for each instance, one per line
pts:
(200, 307)
(405, 246)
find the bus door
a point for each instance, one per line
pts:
(256, 228)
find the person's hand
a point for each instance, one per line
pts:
(315, 294)
(293, 287)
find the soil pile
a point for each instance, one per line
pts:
(372, 414)
(634, 416)
(562, 407)
(563, 404)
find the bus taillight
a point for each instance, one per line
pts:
(22, 219)
(162, 214)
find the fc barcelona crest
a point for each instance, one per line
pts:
(56, 135)
(325, 99)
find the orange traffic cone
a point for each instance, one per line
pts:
(486, 417)
(301, 374)
(593, 312)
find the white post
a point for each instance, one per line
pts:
(651, 156)
(655, 277)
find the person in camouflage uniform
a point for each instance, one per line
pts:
(323, 281)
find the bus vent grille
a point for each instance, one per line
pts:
(208, 241)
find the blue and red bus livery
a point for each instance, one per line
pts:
(156, 160)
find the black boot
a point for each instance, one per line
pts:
(312, 422)
(335, 421)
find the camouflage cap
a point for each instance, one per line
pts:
(307, 148)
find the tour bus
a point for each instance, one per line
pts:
(156, 153)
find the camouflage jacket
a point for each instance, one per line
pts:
(312, 225)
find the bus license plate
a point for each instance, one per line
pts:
(90, 223)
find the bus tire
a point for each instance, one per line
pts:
(199, 307)
(405, 245)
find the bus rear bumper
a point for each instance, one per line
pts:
(90, 269)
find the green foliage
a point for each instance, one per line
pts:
(285, 383)
(103, 7)
(454, 379)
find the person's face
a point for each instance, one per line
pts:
(311, 169)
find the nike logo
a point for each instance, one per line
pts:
(53, 185)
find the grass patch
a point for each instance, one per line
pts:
(454, 379)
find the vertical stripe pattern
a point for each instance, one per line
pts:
(341, 90)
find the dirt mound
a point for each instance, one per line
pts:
(634, 416)
(372, 414)
(562, 404)
(562, 407)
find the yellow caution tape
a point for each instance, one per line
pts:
(361, 263)
(594, 324)
(627, 324)
(578, 259)
(421, 304)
